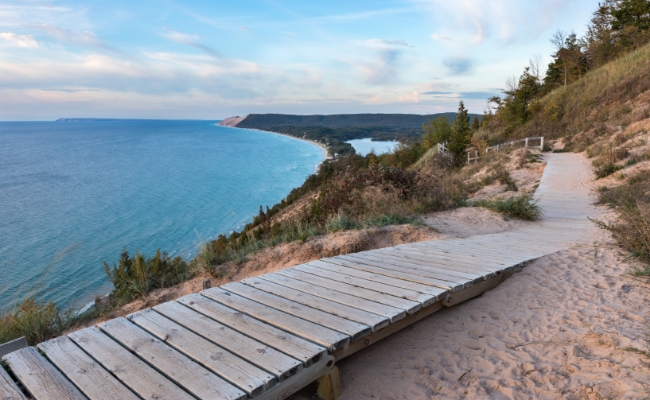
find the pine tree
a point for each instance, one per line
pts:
(475, 124)
(460, 135)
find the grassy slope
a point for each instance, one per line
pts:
(593, 103)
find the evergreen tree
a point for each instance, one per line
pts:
(436, 131)
(476, 124)
(460, 136)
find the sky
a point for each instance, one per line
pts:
(207, 59)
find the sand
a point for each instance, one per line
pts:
(573, 324)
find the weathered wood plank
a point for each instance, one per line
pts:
(8, 388)
(372, 277)
(387, 293)
(457, 255)
(351, 328)
(294, 346)
(86, 374)
(257, 353)
(183, 371)
(438, 269)
(441, 261)
(235, 370)
(41, 379)
(315, 298)
(394, 271)
(308, 330)
(145, 381)
(349, 295)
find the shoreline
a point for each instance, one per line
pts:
(319, 144)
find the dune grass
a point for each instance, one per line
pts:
(522, 207)
(632, 229)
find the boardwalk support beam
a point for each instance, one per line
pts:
(328, 387)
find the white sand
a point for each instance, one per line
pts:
(573, 324)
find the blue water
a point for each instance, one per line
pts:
(74, 194)
(364, 146)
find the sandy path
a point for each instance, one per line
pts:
(573, 324)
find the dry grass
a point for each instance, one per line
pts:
(632, 201)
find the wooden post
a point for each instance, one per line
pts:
(526, 142)
(207, 284)
(541, 144)
(328, 387)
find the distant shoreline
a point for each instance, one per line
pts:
(319, 144)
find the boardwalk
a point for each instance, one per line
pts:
(267, 337)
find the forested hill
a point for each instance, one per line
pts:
(390, 121)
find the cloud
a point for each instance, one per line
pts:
(460, 95)
(385, 64)
(458, 65)
(77, 38)
(443, 37)
(475, 21)
(189, 40)
(26, 41)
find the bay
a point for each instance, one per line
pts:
(74, 194)
(365, 146)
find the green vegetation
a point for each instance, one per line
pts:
(335, 130)
(137, 276)
(522, 207)
(608, 65)
(37, 321)
(632, 229)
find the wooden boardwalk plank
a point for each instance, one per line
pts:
(323, 299)
(183, 371)
(394, 271)
(469, 256)
(481, 253)
(486, 270)
(316, 333)
(8, 388)
(86, 374)
(145, 381)
(291, 306)
(412, 267)
(441, 270)
(384, 294)
(294, 346)
(354, 296)
(41, 379)
(235, 370)
(383, 279)
(278, 364)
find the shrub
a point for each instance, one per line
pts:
(137, 276)
(632, 202)
(522, 207)
(606, 170)
(37, 321)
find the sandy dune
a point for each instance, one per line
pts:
(573, 324)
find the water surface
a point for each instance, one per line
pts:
(365, 146)
(74, 194)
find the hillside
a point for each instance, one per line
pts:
(384, 121)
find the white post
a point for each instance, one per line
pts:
(526, 142)
(541, 145)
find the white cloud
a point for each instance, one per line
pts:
(473, 22)
(26, 41)
(189, 40)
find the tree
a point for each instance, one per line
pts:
(460, 135)
(436, 131)
(558, 40)
(476, 124)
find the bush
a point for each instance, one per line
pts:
(606, 170)
(522, 207)
(37, 321)
(632, 201)
(137, 276)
